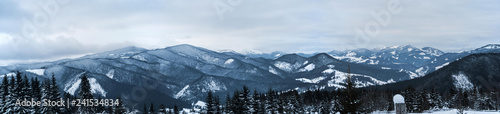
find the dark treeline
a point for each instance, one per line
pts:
(17, 88)
(349, 100)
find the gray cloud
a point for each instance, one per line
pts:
(81, 27)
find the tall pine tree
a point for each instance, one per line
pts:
(85, 93)
(350, 101)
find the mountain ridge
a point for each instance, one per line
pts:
(186, 72)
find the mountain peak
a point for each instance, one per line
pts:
(183, 46)
(121, 52)
(491, 46)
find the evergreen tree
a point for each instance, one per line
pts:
(411, 99)
(4, 88)
(36, 93)
(152, 108)
(245, 100)
(85, 93)
(350, 101)
(162, 110)
(54, 94)
(176, 109)
(218, 109)
(254, 101)
(210, 108)
(435, 99)
(145, 109)
(18, 94)
(45, 95)
(229, 105)
(70, 108)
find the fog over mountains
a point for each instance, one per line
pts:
(182, 74)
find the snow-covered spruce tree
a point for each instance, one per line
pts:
(45, 88)
(54, 94)
(18, 94)
(228, 106)
(145, 109)
(218, 109)
(70, 108)
(36, 93)
(4, 92)
(435, 99)
(85, 93)
(210, 108)
(151, 108)
(254, 101)
(350, 100)
(162, 110)
(26, 93)
(176, 109)
(412, 99)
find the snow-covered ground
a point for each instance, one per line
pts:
(452, 111)
(37, 71)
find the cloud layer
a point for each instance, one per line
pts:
(80, 27)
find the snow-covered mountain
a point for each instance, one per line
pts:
(184, 73)
(470, 72)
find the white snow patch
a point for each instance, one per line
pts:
(72, 89)
(308, 68)
(181, 93)
(8, 74)
(386, 68)
(36, 71)
(111, 73)
(421, 53)
(412, 74)
(427, 57)
(272, 70)
(372, 62)
(314, 80)
(283, 66)
(253, 71)
(340, 78)
(229, 61)
(328, 71)
(420, 71)
(214, 86)
(409, 49)
(351, 59)
(462, 82)
(331, 66)
(139, 57)
(393, 52)
(350, 54)
(96, 87)
(441, 66)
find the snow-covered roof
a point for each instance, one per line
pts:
(398, 99)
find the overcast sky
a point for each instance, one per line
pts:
(33, 31)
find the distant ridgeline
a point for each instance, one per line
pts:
(184, 74)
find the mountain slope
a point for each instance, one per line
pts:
(475, 70)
